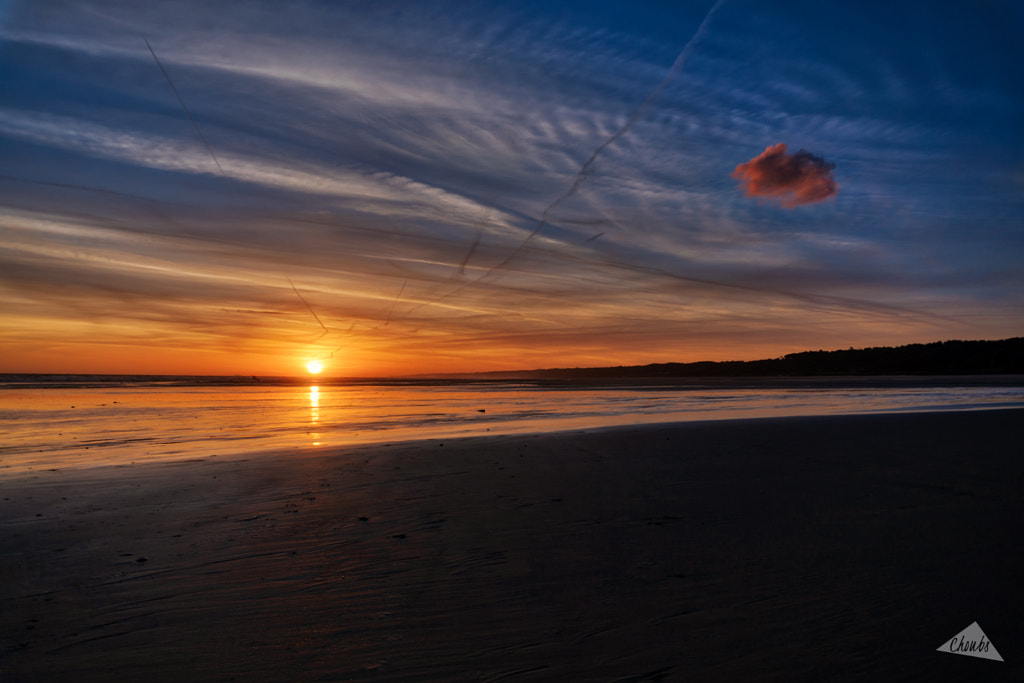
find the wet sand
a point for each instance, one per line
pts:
(820, 548)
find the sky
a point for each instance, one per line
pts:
(405, 187)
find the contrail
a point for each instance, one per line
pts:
(185, 109)
(310, 308)
(469, 254)
(395, 302)
(479, 225)
(87, 188)
(581, 175)
(673, 71)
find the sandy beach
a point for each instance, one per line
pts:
(821, 548)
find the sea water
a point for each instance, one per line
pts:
(70, 423)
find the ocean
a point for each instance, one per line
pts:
(51, 422)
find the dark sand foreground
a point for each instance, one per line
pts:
(827, 548)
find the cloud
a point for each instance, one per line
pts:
(379, 192)
(362, 152)
(795, 179)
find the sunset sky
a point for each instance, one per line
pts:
(406, 187)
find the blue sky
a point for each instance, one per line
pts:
(394, 161)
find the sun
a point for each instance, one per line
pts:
(314, 367)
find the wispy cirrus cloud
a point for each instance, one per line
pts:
(370, 149)
(370, 192)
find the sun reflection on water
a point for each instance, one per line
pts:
(84, 426)
(314, 412)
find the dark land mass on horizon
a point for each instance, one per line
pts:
(1003, 357)
(957, 362)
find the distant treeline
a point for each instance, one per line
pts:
(938, 358)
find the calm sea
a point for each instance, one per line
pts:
(76, 422)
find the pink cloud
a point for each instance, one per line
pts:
(794, 179)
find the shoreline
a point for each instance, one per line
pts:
(14, 381)
(793, 548)
(92, 444)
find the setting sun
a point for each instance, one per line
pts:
(314, 366)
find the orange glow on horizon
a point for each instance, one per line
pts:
(81, 349)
